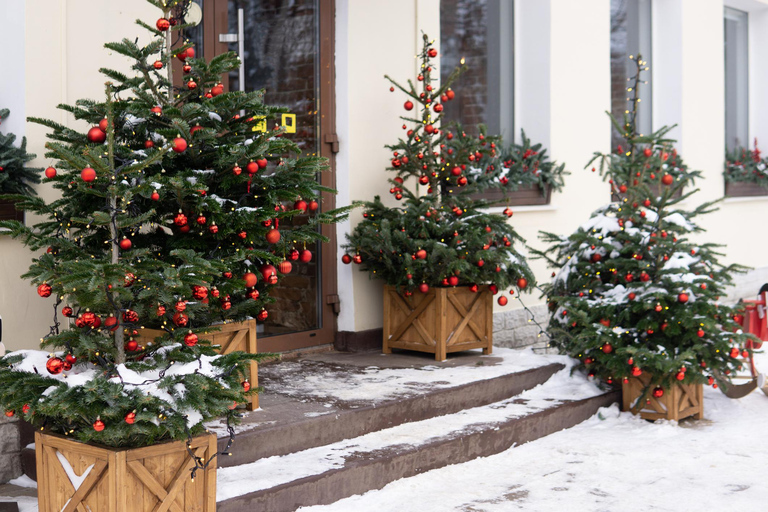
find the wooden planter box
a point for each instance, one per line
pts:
(151, 479)
(231, 337)
(441, 321)
(679, 402)
(744, 189)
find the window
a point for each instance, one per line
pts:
(736, 80)
(630, 35)
(480, 34)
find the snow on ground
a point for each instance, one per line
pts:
(613, 461)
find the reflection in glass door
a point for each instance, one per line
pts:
(281, 57)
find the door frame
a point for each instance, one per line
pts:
(215, 22)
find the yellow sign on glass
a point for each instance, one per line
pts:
(289, 123)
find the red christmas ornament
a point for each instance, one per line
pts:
(508, 212)
(156, 110)
(54, 365)
(199, 292)
(246, 386)
(273, 236)
(253, 294)
(130, 418)
(300, 205)
(682, 298)
(636, 371)
(237, 170)
(155, 196)
(421, 254)
(607, 348)
(293, 255)
(9, 413)
(647, 152)
(96, 135)
(217, 89)
(252, 168)
(25, 409)
(180, 306)
(98, 425)
(180, 319)
(163, 24)
(130, 316)
(313, 205)
(190, 339)
(179, 145)
(262, 162)
(285, 267)
(680, 375)
(67, 311)
(658, 392)
(132, 345)
(453, 280)
(346, 259)
(263, 314)
(160, 310)
(213, 229)
(88, 175)
(44, 290)
(111, 323)
(423, 287)
(305, 256)
(125, 244)
(408, 105)
(522, 283)
(180, 219)
(450, 94)
(50, 173)
(493, 288)
(502, 300)
(186, 68)
(357, 259)
(158, 64)
(201, 220)
(432, 53)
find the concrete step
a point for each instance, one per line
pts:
(286, 426)
(326, 474)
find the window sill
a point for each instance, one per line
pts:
(745, 199)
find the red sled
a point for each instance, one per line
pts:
(755, 318)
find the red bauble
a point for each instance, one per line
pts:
(421, 254)
(636, 371)
(263, 314)
(502, 300)
(179, 145)
(423, 287)
(700, 333)
(163, 24)
(683, 298)
(125, 244)
(253, 294)
(160, 310)
(262, 162)
(180, 319)
(246, 386)
(273, 236)
(199, 292)
(623, 189)
(269, 273)
(285, 267)
(423, 180)
(25, 409)
(596, 258)
(44, 290)
(305, 256)
(88, 175)
(50, 173)
(300, 205)
(186, 68)
(252, 167)
(130, 316)
(607, 348)
(158, 64)
(225, 305)
(180, 219)
(130, 418)
(450, 94)
(408, 105)
(190, 339)
(131, 346)
(508, 212)
(250, 279)
(213, 229)
(680, 375)
(54, 365)
(293, 255)
(67, 311)
(155, 196)
(658, 392)
(735, 352)
(237, 170)
(217, 89)
(180, 306)
(432, 53)
(493, 288)
(438, 108)
(313, 206)
(156, 110)
(98, 425)
(111, 323)
(647, 152)
(103, 125)
(97, 135)
(667, 179)
(346, 259)
(522, 283)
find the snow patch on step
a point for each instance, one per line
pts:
(277, 470)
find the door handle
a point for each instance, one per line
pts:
(238, 38)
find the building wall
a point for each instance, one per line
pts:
(562, 90)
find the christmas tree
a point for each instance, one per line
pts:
(169, 217)
(635, 293)
(443, 234)
(15, 178)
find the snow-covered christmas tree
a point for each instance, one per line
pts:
(636, 292)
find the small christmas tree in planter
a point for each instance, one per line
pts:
(441, 254)
(15, 178)
(746, 173)
(170, 209)
(635, 299)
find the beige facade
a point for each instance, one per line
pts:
(562, 90)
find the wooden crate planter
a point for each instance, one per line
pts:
(231, 337)
(681, 401)
(150, 479)
(744, 189)
(441, 321)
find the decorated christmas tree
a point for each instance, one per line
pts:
(169, 217)
(636, 292)
(15, 178)
(443, 235)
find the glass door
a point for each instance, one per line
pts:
(286, 47)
